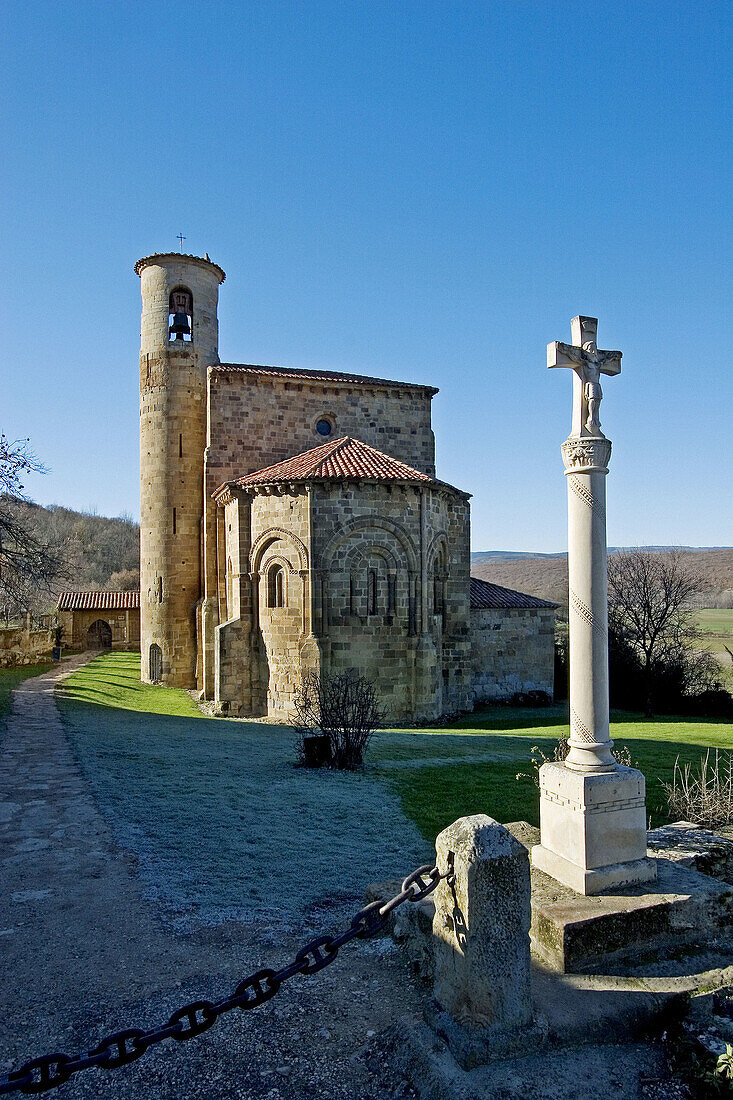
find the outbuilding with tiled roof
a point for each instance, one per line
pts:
(99, 619)
(512, 643)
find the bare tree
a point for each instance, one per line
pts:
(27, 562)
(650, 594)
(342, 708)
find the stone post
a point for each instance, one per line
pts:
(482, 1002)
(592, 810)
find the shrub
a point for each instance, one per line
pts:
(342, 708)
(703, 796)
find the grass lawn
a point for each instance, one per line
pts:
(499, 741)
(113, 680)
(196, 798)
(11, 677)
(221, 824)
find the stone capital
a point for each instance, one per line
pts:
(586, 455)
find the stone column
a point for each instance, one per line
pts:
(592, 810)
(586, 467)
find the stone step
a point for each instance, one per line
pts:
(574, 933)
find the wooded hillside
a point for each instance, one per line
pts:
(100, 552)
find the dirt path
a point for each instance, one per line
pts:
(83, 954)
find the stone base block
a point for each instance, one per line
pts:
(593, 828)
(473, 1045)
(598, 880)
(573, 933)
(542, 1074)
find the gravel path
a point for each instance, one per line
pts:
(84, 953)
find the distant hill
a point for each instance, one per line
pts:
(546, 575)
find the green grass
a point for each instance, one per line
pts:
(500, 739)
(11, 677)
(439, 774)
(113, 680)
(716, 624)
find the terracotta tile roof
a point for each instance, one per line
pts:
(98, 601)
(202, 261)
(339, 459)
(485, 596)
(319, 376)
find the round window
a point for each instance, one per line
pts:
(324, 427)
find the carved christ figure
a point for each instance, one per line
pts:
(592, 395)
(588, 363)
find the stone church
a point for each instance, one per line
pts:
(291, 521)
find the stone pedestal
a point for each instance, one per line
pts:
(593, 828)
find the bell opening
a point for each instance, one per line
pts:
(180, 316)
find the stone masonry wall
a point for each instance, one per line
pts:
(512, 650)
(417, 659)
(172, 441)
(279, 538)
(124, 624)
(255, 421)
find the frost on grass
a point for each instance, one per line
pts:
(225, 828)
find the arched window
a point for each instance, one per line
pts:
(391, 593)
(372, 592)
(155, 662)
(437, 596)
(275, 586)
(180, 315)
(352, 594)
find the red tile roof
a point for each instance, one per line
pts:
(487, 596)
(340, 459)
(202, 261)
(98, 601)
(319, 376)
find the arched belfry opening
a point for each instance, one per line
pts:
(180, 315)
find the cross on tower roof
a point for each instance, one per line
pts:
(181, 238)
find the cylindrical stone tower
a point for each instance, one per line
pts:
(179, 340)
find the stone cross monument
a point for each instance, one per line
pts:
(592, 810)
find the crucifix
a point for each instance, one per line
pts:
(588, 364)
(592, 810)
(181, 238)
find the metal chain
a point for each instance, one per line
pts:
(51, 1070)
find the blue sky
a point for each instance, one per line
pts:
(415, 189)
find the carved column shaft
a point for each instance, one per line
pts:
(586, 467)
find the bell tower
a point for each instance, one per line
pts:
(179, 340)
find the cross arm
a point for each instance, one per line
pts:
(568, 355)
(564, 355)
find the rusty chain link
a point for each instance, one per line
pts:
(51, 1070)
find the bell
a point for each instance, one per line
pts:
(180, 326)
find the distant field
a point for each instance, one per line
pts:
(715, 620)
(716, 623)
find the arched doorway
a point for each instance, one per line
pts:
(155, 662)
(99, 635)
